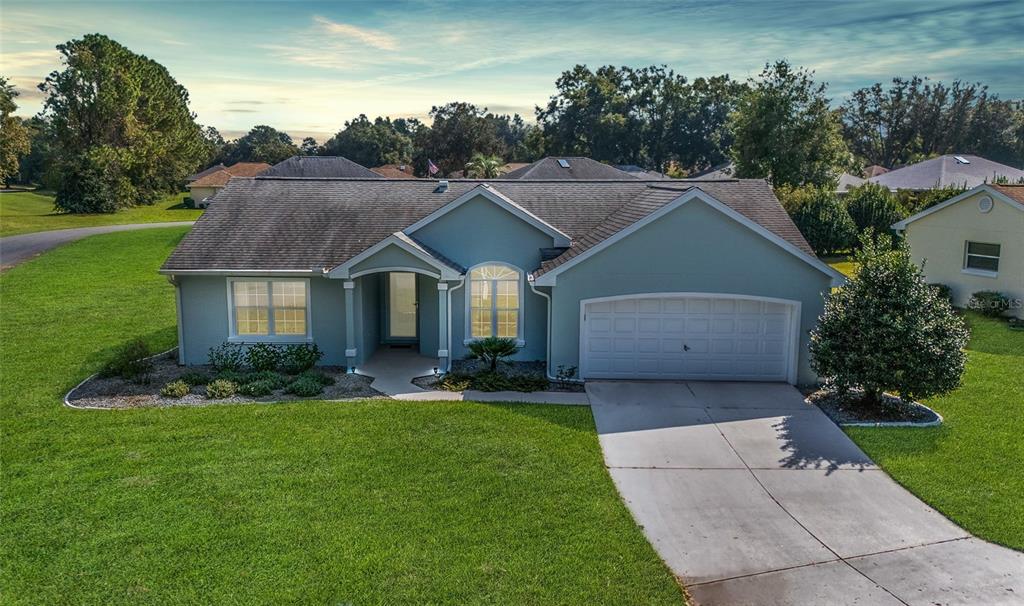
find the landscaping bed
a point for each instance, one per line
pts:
(847, 409)
(509, 376)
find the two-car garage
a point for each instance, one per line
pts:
(692, 336)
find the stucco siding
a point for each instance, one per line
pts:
(694, 248)
(938, 240)
(392, 256)
(368, 320)
(201, 193)
(427, 319)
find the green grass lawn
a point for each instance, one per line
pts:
(970, 468)
(325, 503)
(843, 264)
(23, 212)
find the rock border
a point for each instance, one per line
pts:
(936, 421)
(67, 396)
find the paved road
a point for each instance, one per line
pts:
(17, 249)
(752, 496)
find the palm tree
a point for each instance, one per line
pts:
(484, 167)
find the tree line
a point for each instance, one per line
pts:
(116, 129)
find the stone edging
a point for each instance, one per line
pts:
(938, 420)
(67, 396)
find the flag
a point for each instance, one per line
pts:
(432, 167)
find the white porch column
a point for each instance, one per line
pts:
(442, 325)
(350, 323)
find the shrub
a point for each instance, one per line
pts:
(495, 381)
(189, 202)
(232, 375)
(943, 291)
(873, 206)
(276, 380)
(220, 389)
(492, 349)
(886, 330)
(989, 303)
(305, 387)
(821, 217)
(320, 377)
(566, 374)
(916, 201)
(263, 356)
(195, 377)
(130, 362)
(261, 387)
(297, 358)
(455, 381)
(175, 389)
(227, 356)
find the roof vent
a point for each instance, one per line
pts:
(442, 186)
(961, 160)
(563, 163)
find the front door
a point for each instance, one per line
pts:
(401, 307)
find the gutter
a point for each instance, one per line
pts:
(547, 345)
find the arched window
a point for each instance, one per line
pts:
(494, 301)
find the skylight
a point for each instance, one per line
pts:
(563, 163)
(961, 160)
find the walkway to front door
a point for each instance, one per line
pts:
(752, 496)
(394, 368)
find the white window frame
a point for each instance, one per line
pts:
(233, 335)
(520, 320)
(975, 271)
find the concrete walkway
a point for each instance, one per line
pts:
(752, 496)
(20, 248)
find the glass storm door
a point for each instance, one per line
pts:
(401, 305)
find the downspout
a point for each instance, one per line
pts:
(547, 361)
(462, 282)
(177, 305)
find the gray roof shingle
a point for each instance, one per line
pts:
(578, 168)
(948, 171)
(299, 224)
(320, 166)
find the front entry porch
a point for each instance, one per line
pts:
(394, 367)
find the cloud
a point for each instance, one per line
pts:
(23, 61)
(376, 39)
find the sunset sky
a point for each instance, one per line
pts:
(307, 67)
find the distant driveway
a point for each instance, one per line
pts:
(16, 249)
(752, 496)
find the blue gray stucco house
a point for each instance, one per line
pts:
(667, 279)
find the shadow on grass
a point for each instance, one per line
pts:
(577, 418)
(158, 341)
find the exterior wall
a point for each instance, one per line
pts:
(477, 232)
(200, 193)
(427, 320)
(391, 256)
(204, 317)
(939, 240)
(695, 248)
(368, 331)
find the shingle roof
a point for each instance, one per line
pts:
(298, 224)
(203, 173)
(641, 173)
(579, 168)
(320, 166)
(1013, 191)
(221, 177)
(947, 171)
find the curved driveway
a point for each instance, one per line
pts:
(16, 249)
(752, 496)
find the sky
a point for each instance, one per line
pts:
(307, 67)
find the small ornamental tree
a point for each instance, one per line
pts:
(492, 349)
(887, 330)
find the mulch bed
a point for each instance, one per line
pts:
(846, 408)
(102, 392)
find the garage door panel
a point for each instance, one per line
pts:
(685, 337)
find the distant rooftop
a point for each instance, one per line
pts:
(569, 168)
(951, 170)
(320, 166)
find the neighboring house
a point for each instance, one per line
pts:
(846, 181)
(972, 242)
(719, 171)
(569, 168)
(209, 183)
(951, 170)
(203, 173)
(336, 167)
(642, 173)
(874, 170)
(622, 279)
(395, 171)
(511, 166)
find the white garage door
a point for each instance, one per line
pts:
(687, 337)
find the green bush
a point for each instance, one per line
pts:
(275, 379)
(821, 217)
(873, 206)
(305, 387)
(263, 356)
(886, 330)
(320, 377)
(189, 202)
(492, 349)
(195, 377)
(221, 389)
(455, 381)
(175, 389)
(232, 375)
(258, 388)
(487, 380)
(989, 303)
(227, 356)
(297, 358)
(130, 362)
(916, 201)
(943, 291)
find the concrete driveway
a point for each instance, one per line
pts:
(752, 496)
(20, 248)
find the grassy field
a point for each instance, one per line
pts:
(368, 502)
(843, 264)
(970, 467)
(23, 212)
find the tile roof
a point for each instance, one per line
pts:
(947, 171)
(204, 172)
(221, 177)
(1013, 191)
(320, 166)
(395, 171)
(579, 168)
(299, 224)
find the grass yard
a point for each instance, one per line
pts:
(369, 502)
(969, 468)
(23, 212)
(843, 264)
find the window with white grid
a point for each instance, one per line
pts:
(269, 308)
(494, 304)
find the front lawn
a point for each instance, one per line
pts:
(326, 503)
(844, 264)
(23, 212)
(971, 467)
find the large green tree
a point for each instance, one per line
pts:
(371, 143)
(261, 144)
(123, 132)
(14, 137)
(785, 131)
(458, 131)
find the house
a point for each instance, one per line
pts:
(622, 279)
(951, 170)
(874, 170)
(569, 168)
(972, 242)
(847, 181)
(203, 173)
(320, 167)
(641, 173)
(395, 171)
(210, 181)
